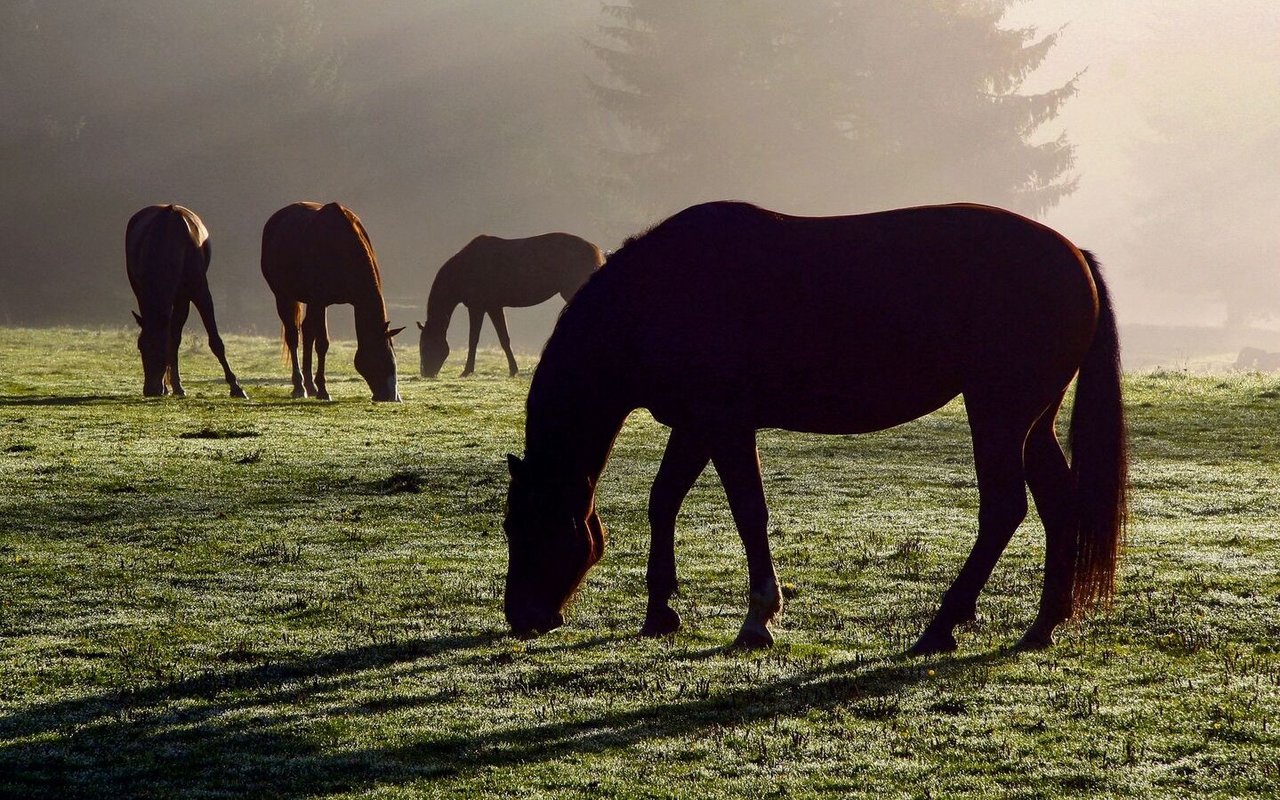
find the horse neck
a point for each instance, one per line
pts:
(371, 319)
(574, 414)
(441, 304)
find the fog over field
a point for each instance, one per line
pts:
(1147, 131)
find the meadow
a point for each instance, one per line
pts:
(205, 597)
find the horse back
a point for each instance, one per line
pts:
(322, 254)
(491, 271)
(840, 324)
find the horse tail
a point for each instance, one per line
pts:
(1099, 458)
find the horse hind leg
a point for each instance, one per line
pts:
(738, 463)
(1054, 492)
(998, 441)
(204, 305)
(684, 460)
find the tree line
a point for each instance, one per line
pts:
(436, 125)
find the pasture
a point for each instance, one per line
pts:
(208, 597)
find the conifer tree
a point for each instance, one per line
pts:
(825, 106)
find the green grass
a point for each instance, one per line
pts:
(214, 598)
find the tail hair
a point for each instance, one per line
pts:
(1099, 459)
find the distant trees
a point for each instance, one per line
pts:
(826, 106)
(439, 121)
(111, 107)
(435, 121)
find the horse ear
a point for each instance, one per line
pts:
(136, 317)
(514, 465)
(420, 326)
(393, 332)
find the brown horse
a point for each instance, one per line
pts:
(727, 318)
(316, 256)
(167, 254)
(491, 274)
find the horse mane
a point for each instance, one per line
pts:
(363, 236)
(582, 320)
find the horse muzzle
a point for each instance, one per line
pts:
(526, 625)
(389, 393)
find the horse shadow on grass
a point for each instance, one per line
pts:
(247, 732)
(66, 400)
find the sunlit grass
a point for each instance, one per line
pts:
(212, 598)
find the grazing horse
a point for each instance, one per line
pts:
(316, 256)
(167, 256)
(490, 274)
(1256, 360)
(727, 318)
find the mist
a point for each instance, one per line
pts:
(1150, 137)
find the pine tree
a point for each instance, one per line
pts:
(825, 106)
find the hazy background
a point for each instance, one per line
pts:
(1147, 131)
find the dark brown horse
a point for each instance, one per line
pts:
(491, 274)
(167, 254)
(727, 318)
(316, 256)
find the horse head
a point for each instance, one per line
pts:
(554, 536)
(432, 351)
(376, 363)
(153, 345)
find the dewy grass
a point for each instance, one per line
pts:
(315, 609)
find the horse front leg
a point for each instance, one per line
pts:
(685, 458)
(322, 351)
(738, 463)
(289, 313)
(181, 310)
(314, 330)
(308, 343)
(476, 316)
(499, 318)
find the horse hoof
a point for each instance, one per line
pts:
(932, 643)
(663, 622)
(752, 639)
(298, 394)
(179, 392)
(466, 373)
(1034, 640)
(322, 395)
(237, 392)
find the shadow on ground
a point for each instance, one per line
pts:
(248, 731)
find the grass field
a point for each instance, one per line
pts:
(215, 598)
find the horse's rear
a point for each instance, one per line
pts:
(163, 244)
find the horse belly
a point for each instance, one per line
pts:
(837, 390)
